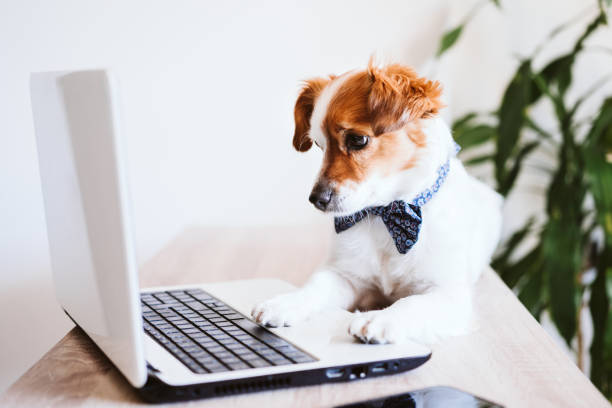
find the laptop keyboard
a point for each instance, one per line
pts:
(208, 336)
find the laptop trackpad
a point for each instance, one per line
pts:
(324, 335)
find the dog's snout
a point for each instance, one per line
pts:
(321, 195)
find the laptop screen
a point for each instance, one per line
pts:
(86, 213)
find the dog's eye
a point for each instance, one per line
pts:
(356, 141)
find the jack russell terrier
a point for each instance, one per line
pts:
(414, 230)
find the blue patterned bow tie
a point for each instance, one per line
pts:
(402, 219)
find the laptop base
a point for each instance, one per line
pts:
(156, 391)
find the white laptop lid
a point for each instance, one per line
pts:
(88, 227)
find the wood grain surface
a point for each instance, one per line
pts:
(508, 359)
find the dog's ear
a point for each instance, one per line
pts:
(303, 111)
(399, 95)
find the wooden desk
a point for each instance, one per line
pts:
(509, 359)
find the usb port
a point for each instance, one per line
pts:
(334, 372)
(378, 368)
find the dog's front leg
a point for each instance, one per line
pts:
(325, 288)
(426, 317)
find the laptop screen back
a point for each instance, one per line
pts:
(84, 195)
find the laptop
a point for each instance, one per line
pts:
(170, 343)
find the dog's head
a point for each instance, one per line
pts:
(369, 124)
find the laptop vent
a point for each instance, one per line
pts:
(249, 386)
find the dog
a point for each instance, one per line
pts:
(384, 144)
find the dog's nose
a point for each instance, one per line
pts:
(321, 196)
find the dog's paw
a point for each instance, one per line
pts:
(283, 310)
(378, 327)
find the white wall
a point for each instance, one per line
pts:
(207, 92)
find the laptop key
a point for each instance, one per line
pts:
(191, 331)
(293, 354)
(249, 356)
(199, 370)
(258, 362)
(207, 360)
(303, 359)
(277, 359)
(261, 348)
(196, 305)
(238, 365)
(167, 299)
(274, 341)
(148, 298)
(216, 368)
(230, 359)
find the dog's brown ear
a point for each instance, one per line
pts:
(303, 111)
(399, 95)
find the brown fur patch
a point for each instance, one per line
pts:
(303, 111)
(414, 130)
(398, 96)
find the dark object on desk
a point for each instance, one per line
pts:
(433, 397)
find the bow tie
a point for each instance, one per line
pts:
(403, 221)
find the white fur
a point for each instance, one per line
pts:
(431, 286)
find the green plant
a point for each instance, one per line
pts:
(556, 273)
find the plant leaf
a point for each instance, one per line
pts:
(530, 293)
(593, 25)
(562, 239)
(474, 136)
(474, 161)
(599, 306)
(501, 259)
(463, 121)
(511, 118)
(556, 100)
(498, 4)
(562, 254)
(511, 176)
(512, 273)
(600, 133)
(559, 72)
(448, 39)
(531, 124)
(589, 92)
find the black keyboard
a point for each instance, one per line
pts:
(210, 337)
